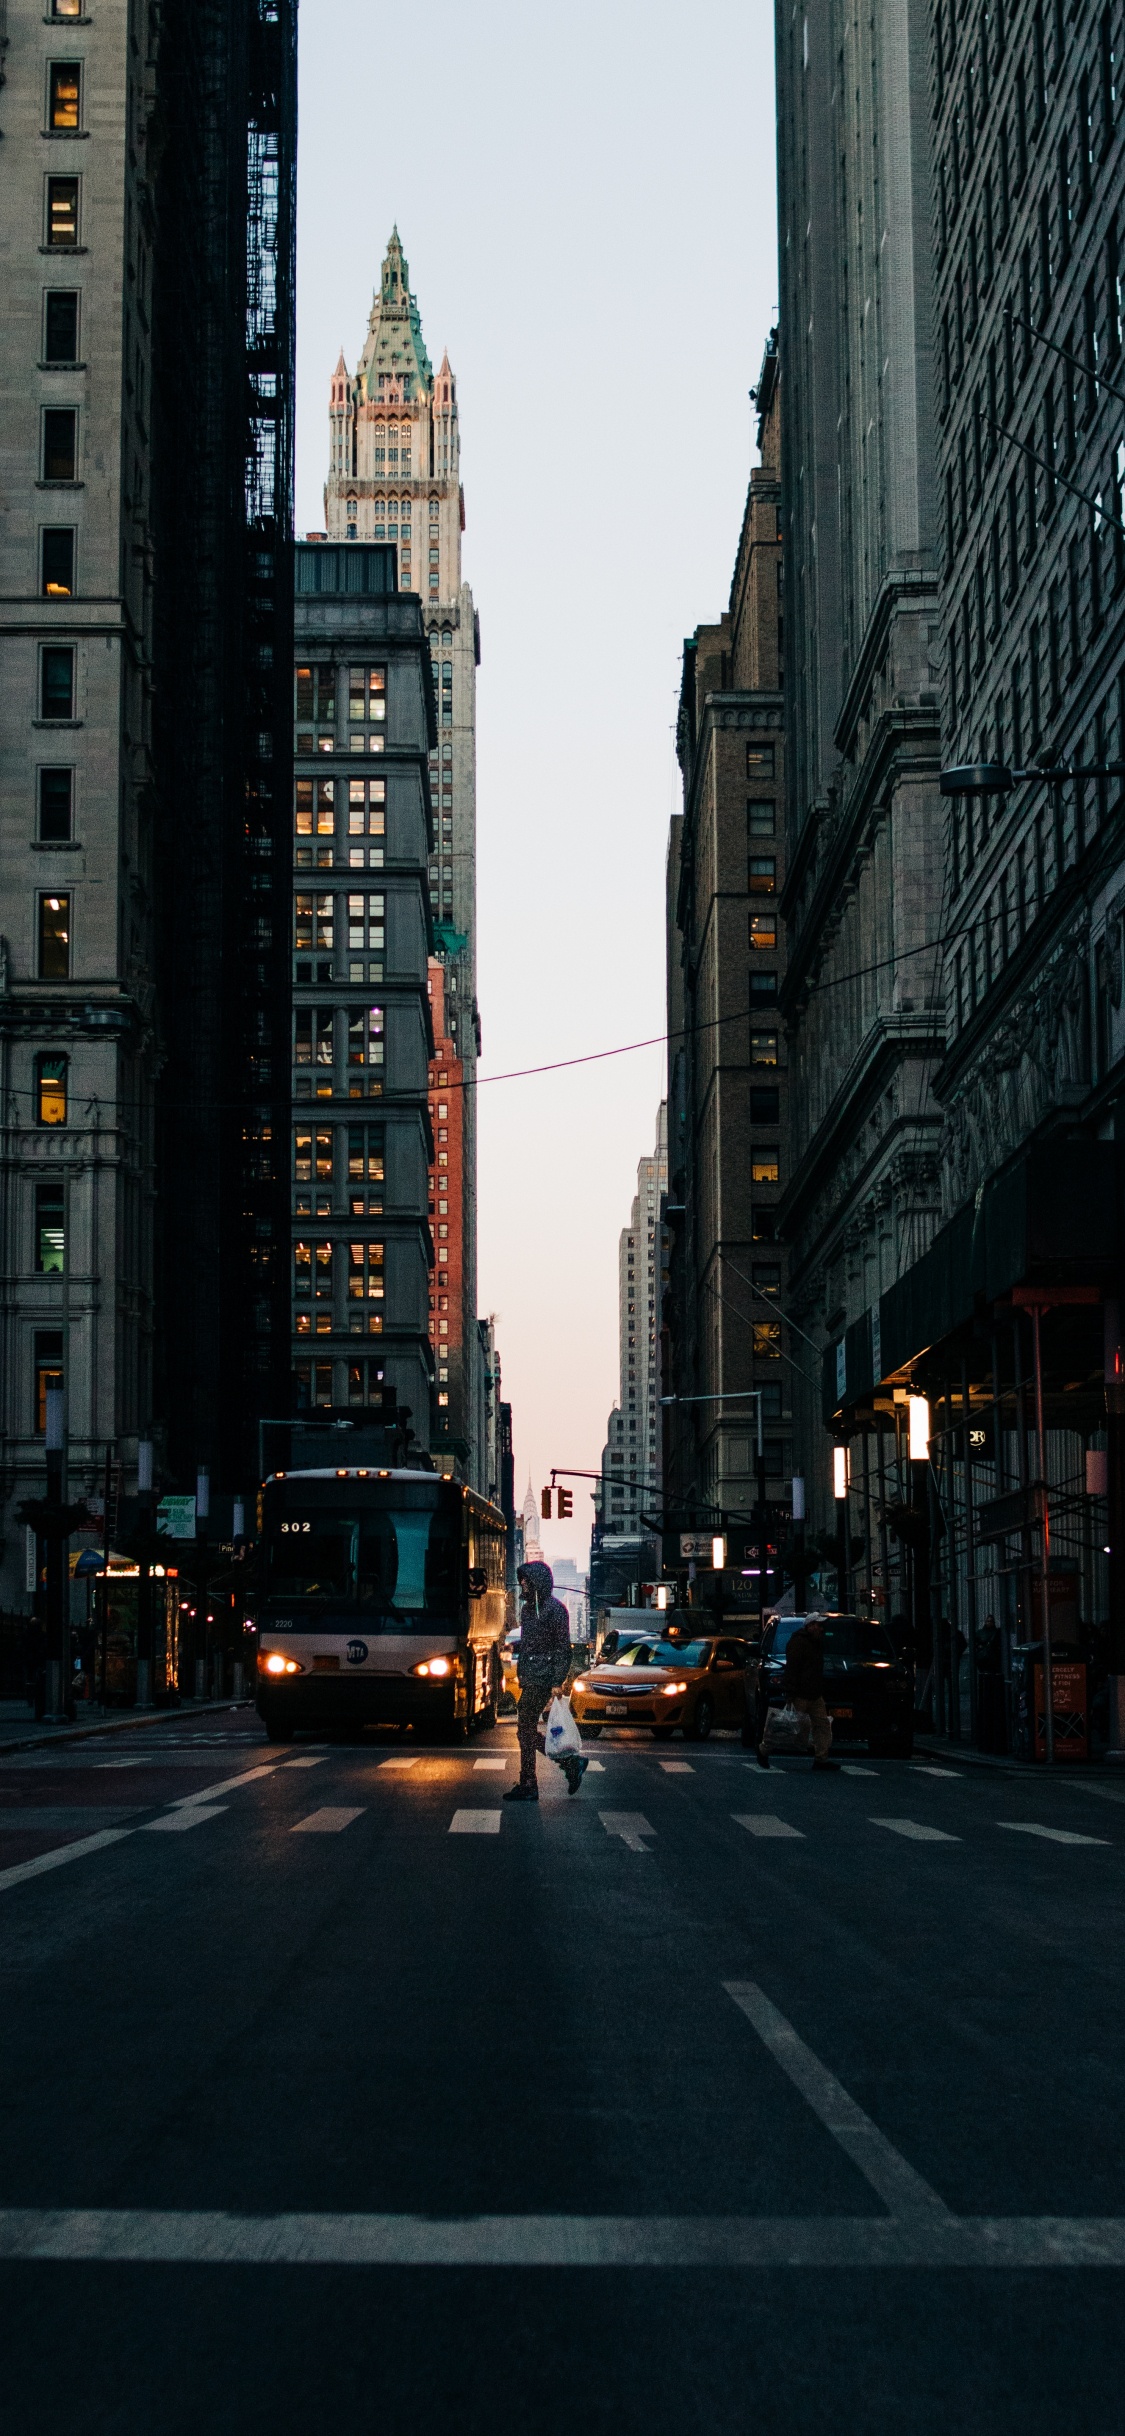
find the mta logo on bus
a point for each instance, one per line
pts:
(357, 1652)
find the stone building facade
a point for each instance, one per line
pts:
(395, 475)
(728, 1117)
(146, 393)
(362, 1036)
(863, 903)
(630, 1484)
(446, 1215)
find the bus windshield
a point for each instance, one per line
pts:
(399, 1558)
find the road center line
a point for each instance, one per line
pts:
(898, 2186)
(178, 1821)
(230, 1784)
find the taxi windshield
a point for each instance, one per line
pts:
(665, 1653)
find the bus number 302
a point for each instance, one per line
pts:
(296, 1526)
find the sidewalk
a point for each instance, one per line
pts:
(962, 1754)
(20, 1731)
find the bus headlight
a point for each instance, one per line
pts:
(433, 1666)
(276, 1663)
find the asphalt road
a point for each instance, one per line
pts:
(338, 2097)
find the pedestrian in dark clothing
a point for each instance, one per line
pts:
(542, 1666)
(803, 1685)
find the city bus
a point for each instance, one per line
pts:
(382, 1602)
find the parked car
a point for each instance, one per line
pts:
(660, 1684)
(868, 1692)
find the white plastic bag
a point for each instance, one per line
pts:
(562, 1737)
(788, 1727)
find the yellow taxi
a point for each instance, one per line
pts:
(693, 1683)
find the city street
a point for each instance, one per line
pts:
(338, 2096)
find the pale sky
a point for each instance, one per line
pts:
(585, 196)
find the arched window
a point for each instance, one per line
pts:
(351, 507)
(447, 637)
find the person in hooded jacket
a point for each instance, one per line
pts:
(543, 1666)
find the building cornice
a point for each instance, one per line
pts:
(902, 588)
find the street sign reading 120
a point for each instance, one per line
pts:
(175, 1517)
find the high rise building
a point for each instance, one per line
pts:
(1028, 244)
(395, 475)
(631, 1461)
(448, 1318)
(362, 1246)
(146, 396)
(862, 903)
(728, 1084)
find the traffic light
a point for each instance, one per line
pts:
(545, 1504)
(565, 1504)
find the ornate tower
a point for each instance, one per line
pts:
(394, 474)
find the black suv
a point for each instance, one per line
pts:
(868, 1692)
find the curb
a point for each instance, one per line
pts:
(117, 1725)
(958, 1755)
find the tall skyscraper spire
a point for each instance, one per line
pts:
(394, 475)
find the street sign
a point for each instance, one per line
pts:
(697, 1544)
(175, 1517)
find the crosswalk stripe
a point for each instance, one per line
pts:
(305, 1763)
(922, 1767)
(410, 1761)
(230, 1784)
(475, 1822)
(850, 1767)
(1051, 1835)
(677, 1767)
(328, 1821)
(497, 1765)
(630, 1825)
(762, 1823)
(918, 1834)
(62, 1854)
(176, 1822)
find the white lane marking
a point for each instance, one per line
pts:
(1051, 1835)
(410, 1762)
(630, 1825)
(167, 2237)
(304, 1763)
(902, 2190)
(64, 1853)
(497, 1765)
(176, 1822)
(762, 1823)
(917, 1833)
(475, 1822)
(921, 1767)
(850, 1767)
(325, 1822)
(230, 1784)
(1103, 1793)
(595, 1767)
(677, 1767)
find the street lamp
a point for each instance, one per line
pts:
(995, 778)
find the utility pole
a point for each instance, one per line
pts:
(202, 1511)
(144, 1575)
(56, 1558)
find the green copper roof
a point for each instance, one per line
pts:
(394, 342)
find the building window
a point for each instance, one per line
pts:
(763, 875)
(365, 1382)
(764, 1167)
(48, 1373)
(365, 1285)
(367, 705)
(58, 562)
(763, 931)
(365, 1049)
(763, 989)
(50, 1229)
(63, 77)
(314, 1385)
(50, 1089)
(366, 1160)
(761, 819)
(60, 443)
(312, 922)
(312, 1043)
(767, 1277)
(763, 1048)
(60, 326)
(66, 8)
(56, 806)
(54, 938)
(315, 708)
(366, 935)
(764, 1104)
(367, 818)
(62, 211)
(759, 761)
(767, 1340)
